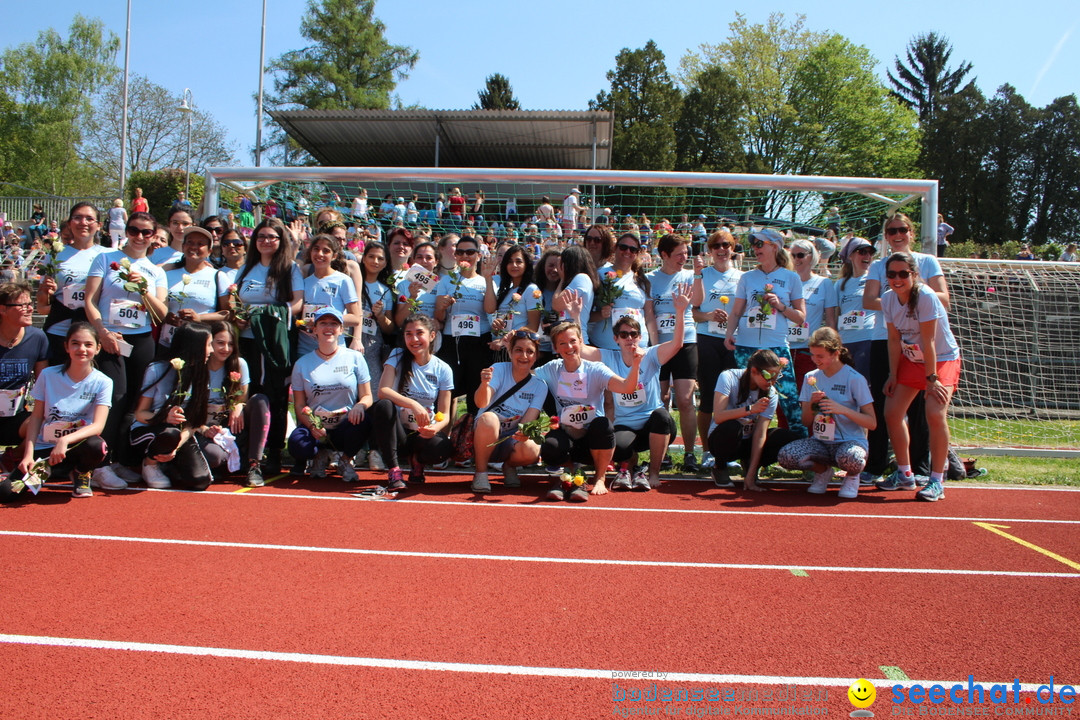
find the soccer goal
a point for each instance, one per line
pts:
(1016, 322)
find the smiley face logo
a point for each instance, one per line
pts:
(861, 693)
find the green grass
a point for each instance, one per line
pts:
(976, 432)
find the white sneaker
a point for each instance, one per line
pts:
(107, 479)
(361, 458)
(375, 461)
(155, 478)
(850, 488)
(126, 473)
(317, 465)
(821, 482)
(348, 472)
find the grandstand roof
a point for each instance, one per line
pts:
(561, 139)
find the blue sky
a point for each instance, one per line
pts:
(555, 53)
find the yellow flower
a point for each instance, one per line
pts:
(724, 299)
(618, 273)
(812, 381)
(579, 480)
(301, 322)
(439, 417)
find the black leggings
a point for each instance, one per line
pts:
(629, 442)
(877, 458)
(727, 444)
(277, 396)
(559, 448)
(127, 376)
(392, 438)
(84, 457)
(191, 468)
(467, 356)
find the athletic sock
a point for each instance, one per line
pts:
(904, 469)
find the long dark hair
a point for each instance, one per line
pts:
(505, 283)
(232, 363)
(575, 261)
(762, 359)
(338, 260)
(383, 276)
(76, 327)
(193, 381)
(279, 273)
(539, 275)
(637, 267)
(405, 366)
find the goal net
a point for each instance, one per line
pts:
(1015, 321)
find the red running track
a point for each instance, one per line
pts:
(596, 617)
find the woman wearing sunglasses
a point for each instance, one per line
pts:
(510, 395)
(233, 254)
(62, 296)
(459, 306)
(923, 356)
(899, 234)
(714, 289)
(627, 274)
(856, 324)
(768, 301)
(819, 294)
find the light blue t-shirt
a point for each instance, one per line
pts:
(336, 290)
(520, 309)
(579, 395)
(166, 255)
(929, 267)
(74, 265)
(256, 290)
(510, 411)
(819, 293)
(331, 387)
(727, 384)
(159, 380)
(758, 330)
(68, 402)
(848, 388)
(716, 286)
(469, 304)
(928, 308)
(583, 285)
(854, 323)
(200, 294)
(425, 383)
(631, 302)
(426, 298)
(661, 289)
(120, 309)
(633, 409)
(216, 401)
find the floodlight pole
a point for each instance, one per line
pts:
(187, 105)
(262, 72)
(124, 117)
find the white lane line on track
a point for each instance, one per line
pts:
(594, 508)
(535, 558)
(396, 664)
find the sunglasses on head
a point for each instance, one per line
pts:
(529, 334)
(897, 230)
(626, 248)
(628, 334)
(145, 232)
(902, 274)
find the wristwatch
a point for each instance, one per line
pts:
(932, 377)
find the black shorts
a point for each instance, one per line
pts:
(713, 359)
(682, 366)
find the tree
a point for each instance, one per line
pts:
(497, 95)
(925, 80)
(157, 133)
(1005, 190)
(348, 66)
(707, 130)
(49, 85)
(1055, 186)
(646, 103)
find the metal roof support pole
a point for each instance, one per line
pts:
(438, 132)
(592, 188)
(929, 220)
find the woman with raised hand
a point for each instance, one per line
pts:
(546, 276)
(171, 431)
(510, 396)
(642, 422)
(332, 393)
(413, 411)
(599, 240)
(713, 290)
(230, 406)
(923, 356)
(61, 294)
(578, 274)
(743, 407)
(899, 233)
(585, 434)
(192, 284)
(71, 405)
(125, 293)
(511, 298)
(326, 286)
(626, 275)
(459, 307)
(269, 293)
(421, 290)
(819, 294)
(837, 405)
(856, 324)
(768, 300)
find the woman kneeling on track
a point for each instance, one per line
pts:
(229, 408)
(641, 420)
(72, 404)
(838, 406)
(170, 430)
(518, 398)
(923, 355)
(332, 390)
(584, 434)
(414, 407)
(743, 406)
